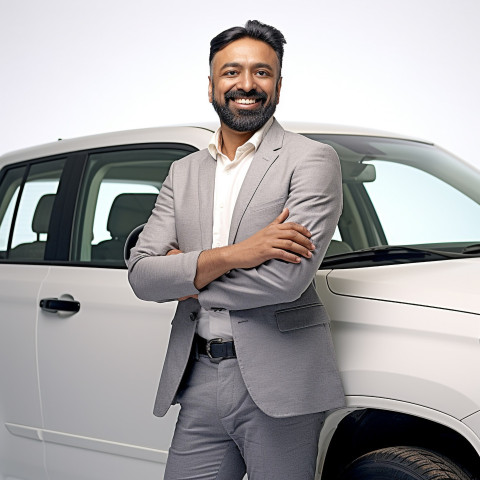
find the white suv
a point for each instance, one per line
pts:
(400, 282)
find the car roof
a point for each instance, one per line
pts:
(196, 134)
(325, 128)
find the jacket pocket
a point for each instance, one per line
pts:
(301, 317)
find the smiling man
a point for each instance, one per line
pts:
(237, 234)
(252, 81)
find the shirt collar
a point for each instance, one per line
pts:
(254, 141)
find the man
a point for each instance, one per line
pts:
(237, 234)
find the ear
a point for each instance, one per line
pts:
(210, 89)
(279, 87)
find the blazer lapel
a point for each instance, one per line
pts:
(206, 189)
(266, 154)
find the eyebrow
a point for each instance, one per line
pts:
(238, 65)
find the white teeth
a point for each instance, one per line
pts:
(245, 101)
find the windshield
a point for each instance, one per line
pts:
(401, 192)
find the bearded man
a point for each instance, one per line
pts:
(250, 357)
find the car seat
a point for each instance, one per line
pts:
(127, 212)
(41, 219)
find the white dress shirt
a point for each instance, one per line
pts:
(229, 177)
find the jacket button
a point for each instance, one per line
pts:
(193, 316)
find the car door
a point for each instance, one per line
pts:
(100, 349)
(29, 192)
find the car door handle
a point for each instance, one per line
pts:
(55, 305)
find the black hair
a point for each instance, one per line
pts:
(253, 29)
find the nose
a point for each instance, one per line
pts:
(246, 81)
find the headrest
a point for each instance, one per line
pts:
(41, 217)
(128, 211)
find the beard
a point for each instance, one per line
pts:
(245, 120)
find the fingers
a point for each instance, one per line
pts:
(181, 299)
(282, 217)
(290, 225)
(285, 255)
(299, 237)
(296, 227)
(294, 247)
(291, 237)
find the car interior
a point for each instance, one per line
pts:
(128, 210)
(41, 219)
(115, 195)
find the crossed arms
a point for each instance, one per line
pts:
(274, 265)
(278, 240)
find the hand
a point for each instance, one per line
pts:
(280, 240)
(174, 251)
(284, 241)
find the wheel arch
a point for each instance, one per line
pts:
(369, 424)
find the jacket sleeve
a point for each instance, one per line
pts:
(152, 275)
(315, 201)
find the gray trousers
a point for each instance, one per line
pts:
(221, 434)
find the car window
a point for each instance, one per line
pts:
(401, 192)
(415, 207)
(28, 194)
(118, 194)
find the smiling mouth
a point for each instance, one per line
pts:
(246, 101)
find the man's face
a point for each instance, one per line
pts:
(244, 86)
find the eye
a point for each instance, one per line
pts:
(230, 73)
(263, 73)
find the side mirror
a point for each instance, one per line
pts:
(131, 241)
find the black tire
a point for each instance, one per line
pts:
(403, 463)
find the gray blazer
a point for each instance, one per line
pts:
(280, 327)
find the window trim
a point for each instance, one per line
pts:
(119, 148)
(16, 208)
(58, 248)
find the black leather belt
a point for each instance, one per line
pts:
(215, 349)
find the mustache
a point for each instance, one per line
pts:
(234, 94)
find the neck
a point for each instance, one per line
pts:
(231, 140)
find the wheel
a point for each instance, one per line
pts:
(403, 463)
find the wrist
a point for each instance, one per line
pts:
(232, 257)
(213, 264)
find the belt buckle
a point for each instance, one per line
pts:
(209, 348)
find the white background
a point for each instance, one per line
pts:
(77, 67)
